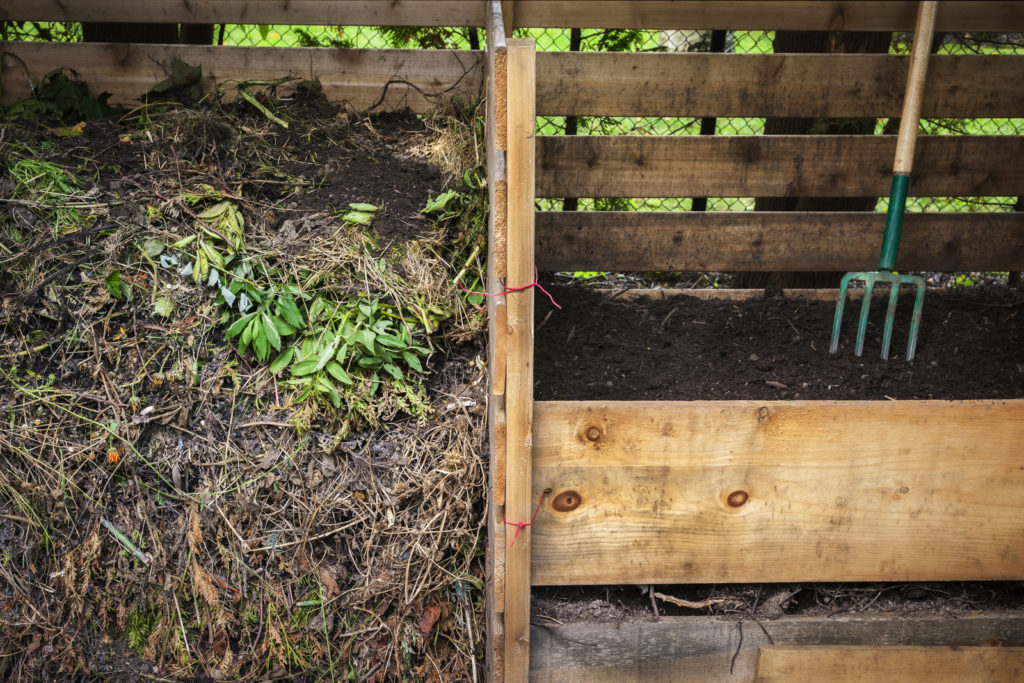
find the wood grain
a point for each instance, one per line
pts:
(357, 77)
(893, 664)
(519, 382)
(806, 85)
(773, 241)
(777, 491)
(297, 12)
(797, 16)
(773, 166)
(719, 649)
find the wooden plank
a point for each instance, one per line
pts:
(893, 664)
(773, 241)
(358, 77)
(773, 166)
(812, 85)
(803, 16)
(519, 382)
(495, 640)
(720, 649)
(774, 491)
(297, 12)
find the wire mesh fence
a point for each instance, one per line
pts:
(614, 40)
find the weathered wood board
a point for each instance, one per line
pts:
(718, 649)
(358, 77)
(783, 241)
(893, 664)
(774, 491)
(806, 85)
(773, 166)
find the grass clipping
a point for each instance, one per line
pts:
(171, 503)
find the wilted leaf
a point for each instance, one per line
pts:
(163, 307)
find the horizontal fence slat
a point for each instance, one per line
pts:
(711, 649)
(777, 491)
(773, 241)
(357, 76)
(773, 165)
(854, 663)
(842, 85)
(301, 12)
(806, 16)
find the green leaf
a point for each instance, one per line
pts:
(282, 360)
(260, 344)
(325, 387)
(270, 331)
(114, 285)
(303, 368)
(338, 373)
(440, 203)
(358, 217)
(283, 328)
(368, 208)
(239, 326)
(287, 309)
(369, 362)
(392, 370)
(152, 248)
(364, 338)
(247, 335)
(412, 361)
(248, 96)
(342, 353)
(390, 340)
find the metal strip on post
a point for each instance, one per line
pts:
(521, 118)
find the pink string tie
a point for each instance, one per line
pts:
(505, 290)
(520, 525)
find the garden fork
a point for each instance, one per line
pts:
(897, 206)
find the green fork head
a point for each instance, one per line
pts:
(870, 279)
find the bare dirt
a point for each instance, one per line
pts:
(672, 347)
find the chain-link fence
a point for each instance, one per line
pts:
(612, 40)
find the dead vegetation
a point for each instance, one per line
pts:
(173, 506)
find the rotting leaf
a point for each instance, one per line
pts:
(331, 589)
(430, 615)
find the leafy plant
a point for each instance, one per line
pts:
(359, 214)
(64, 96)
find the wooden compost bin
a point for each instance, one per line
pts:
(744, 491)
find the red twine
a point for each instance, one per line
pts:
(506, 290)
(519, 525)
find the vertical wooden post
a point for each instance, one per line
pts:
(520, 103)
(496, 270)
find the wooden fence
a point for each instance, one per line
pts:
(743, 491)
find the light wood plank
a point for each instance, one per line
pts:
(775, 491)
(298, 12)
(893, 664)
(803, 16)
(357, 77)
(519, 383)
(773, 241)
(711, 649)
(773, 166)
(813, 85)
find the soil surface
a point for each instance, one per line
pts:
(673, 347)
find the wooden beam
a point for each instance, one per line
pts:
(519, 383)
(358, 77)
(794, 16)
(893, 664)
(297, 12)
(775, 491)
(773, 166)
(813, 85)
(497, 345)
(773, 241)
(722, 649)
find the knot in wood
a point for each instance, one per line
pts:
(737, 498)
(566, 501)
(593, 433)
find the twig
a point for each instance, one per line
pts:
(703, 604)
(119, 535)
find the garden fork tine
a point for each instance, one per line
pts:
(897, 206)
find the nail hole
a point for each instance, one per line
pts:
(593, 433)
(737, 498)
(762, 414)
(904, 489)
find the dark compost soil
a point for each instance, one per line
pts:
(673, 347)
